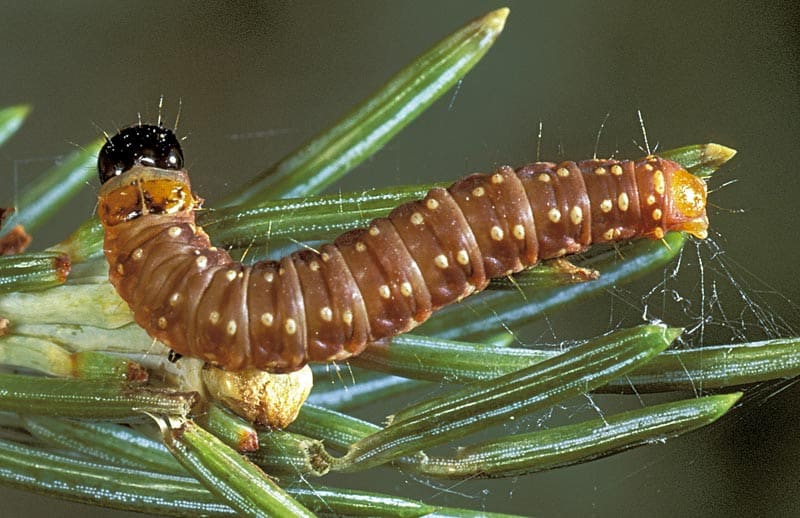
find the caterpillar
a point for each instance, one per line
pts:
(370, 283)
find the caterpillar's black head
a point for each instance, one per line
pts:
(151, 146)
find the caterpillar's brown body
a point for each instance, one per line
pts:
(374, 282)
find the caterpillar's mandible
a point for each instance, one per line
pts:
(371, 283)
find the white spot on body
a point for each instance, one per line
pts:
(657, 214)
(651, 199)
(497, 178)
(231, 327)
(497, 233)
(478, 192)
(563, 172)
(231, 275)
(606, 205)
(347, 317)
(658, 182)
(374, 231)
(201, 261)
(267, 319)
(162, 323)
(432, 203)
(417, 219)
(441, 261)
(174, 299)
(361, 247)
(326, 313)
(213, 317)
(313, 266)
(623, 202)
(290, 326)
(174, 231)
(405, 289)
(462, 257)
(384, 291)
(325, 257)
(519, 232)
(554, 215)
(616, 170)
(576, 215)
(269, 276)
(137, 254)
(544, 177)
(600, 171)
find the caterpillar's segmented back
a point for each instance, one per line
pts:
(370, 283)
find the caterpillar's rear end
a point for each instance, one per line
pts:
(370, 283)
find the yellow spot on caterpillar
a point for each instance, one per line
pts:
(267, 319)
(606, 205)
(658, 232)
(441, 261)
(230, 275)
(174, 299)
(325, 257)
(347, 317)
(658, 182)
(361, 247)
(616, 170)
(657, 214)
(600, 171)
(417, 219)
(497, 233)
(478, 192)
(462, 257)
(576, 215)
(120, 269)
(563, 172)
(290, 326)
(609, 234)
(374, 231)
(174, 231)
(405, 289)
(384, 291)
(497, 178)
(313, 266)
(137, 254)
(519, 232)
(648, 167)
(269, 276)
(651, 199)
(326, 314)
(432, 203)
(231, 327)
(544, 177)
(213, 317)
(162, 323)
(281, 271)
(554, 215)
(201, 261)
(623, 202)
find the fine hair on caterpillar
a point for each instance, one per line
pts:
(370, 283)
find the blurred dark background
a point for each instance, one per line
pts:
(258, 78)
